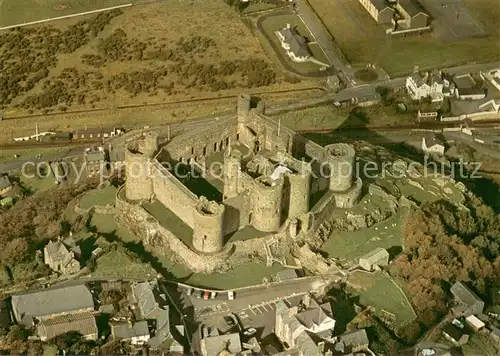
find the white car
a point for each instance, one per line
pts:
(213, 295)
(249, 331)
(230, 295)
(190, 291)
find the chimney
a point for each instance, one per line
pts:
(306, 300)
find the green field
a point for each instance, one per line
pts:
(379, 291)
(117, 263)
(350, 246)
(101, 197)
(363, 41)
(13, 12)
(25, 153)
(107, 224)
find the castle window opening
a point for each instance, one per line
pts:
(220, 146)
(227, 141)
(215, 146)
(192, 150)
(237, 137)
(205, 151)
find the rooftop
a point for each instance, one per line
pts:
(298, 44)
(5, 182)
(463, 294)
(52, 301)
(128, 331)
(83, 323)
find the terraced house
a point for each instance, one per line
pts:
(379, 10)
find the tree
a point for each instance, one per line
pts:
(15, 251)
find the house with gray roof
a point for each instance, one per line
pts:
(297, 325)
(94, 158)
(151, 306)
(49, 303)
(82, 323)
(378, 257)
(60, 259)
(217, 345)
(135, 333)
(294, 44)
(468, 302)
(355, 341)
(414, 16)
(379, 10)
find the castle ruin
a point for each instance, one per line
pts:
(240, 178)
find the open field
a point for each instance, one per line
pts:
(25, 153)
(382, 293)
(117, 263)
(14, 12)
(362, 42)
(331, 117)
(347, 245)
(139, 55)
(101, 197)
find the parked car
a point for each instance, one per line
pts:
(199, 294)
(249, 331)
(213, 295)
(230, 295)
(190, 291)
(206, 295)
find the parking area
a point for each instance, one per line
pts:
(454, 19)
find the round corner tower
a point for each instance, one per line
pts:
(208, 232)
(340, 159)
(266, 201)
(148, 144)
(232, 168)
(300, 190)
(138, 183)
(244, 105)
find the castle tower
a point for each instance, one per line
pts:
(266, 200)
(148, 144)
(138, 183)
(243, 110)
(231, 172)
(300, 190)
(340, 159)
(208, 232)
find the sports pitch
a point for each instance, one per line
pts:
(17, 12)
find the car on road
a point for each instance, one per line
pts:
(230, 295)
(199, 294)
(206, 295)
(190, 291)
(213, 295)
(249, 331)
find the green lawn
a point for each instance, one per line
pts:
(117, 263)
(350, 246)
(101, 197)
(363, 41)
(106, 224)
(379, 291)
(25, 153)
(242, 276)
(257, 6)
(38, 184)
(13, 12)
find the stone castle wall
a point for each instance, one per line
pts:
(266, 204)
(142, 224)
(208, 231)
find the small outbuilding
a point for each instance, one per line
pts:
(379, 257)
(455, 335)
(474, 323)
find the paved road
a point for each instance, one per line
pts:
(253, 296)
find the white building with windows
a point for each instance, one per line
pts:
(419, 87)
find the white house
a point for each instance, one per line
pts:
(493, 77)
(431, 144)
(419, 87)
(294, 44)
